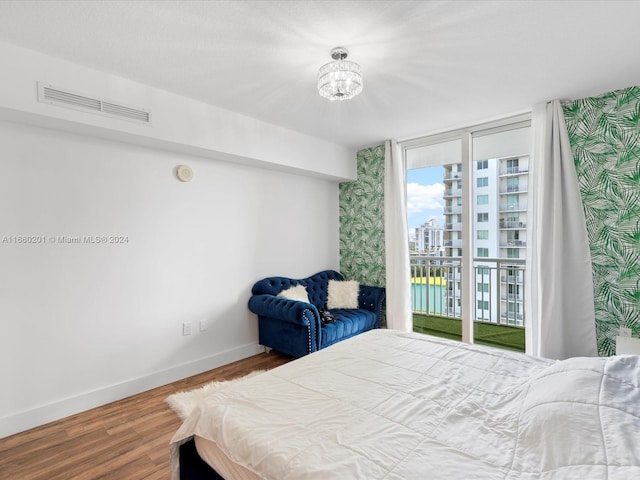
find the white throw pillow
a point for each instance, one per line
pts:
(342, 294)
(299, 293)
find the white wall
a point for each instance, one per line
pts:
(179, 123)
(84, 324)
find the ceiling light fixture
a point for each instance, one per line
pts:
(340, 79)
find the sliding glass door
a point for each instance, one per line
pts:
(467, 209)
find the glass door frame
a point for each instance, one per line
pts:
(466, 136)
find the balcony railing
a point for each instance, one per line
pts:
(452, 176)
(453, 209)
(512, 279)
(513, 189)
(513, 207)
(511, 316)
(452, 192)
(436, 281)
(513, 224)
(512, 297)
(513, 243)
(514, 170)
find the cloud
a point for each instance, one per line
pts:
(422, 198)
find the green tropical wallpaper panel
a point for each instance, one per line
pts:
(362, 220)
(605, 139)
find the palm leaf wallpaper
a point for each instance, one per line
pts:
(605, 139)
(362, 220)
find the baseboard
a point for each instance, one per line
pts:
(38, 416)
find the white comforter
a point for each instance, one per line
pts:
(398, 406)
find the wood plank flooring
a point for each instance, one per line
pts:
(124, 440)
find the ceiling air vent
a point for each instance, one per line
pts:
(65, 98)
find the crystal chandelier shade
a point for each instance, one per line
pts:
(340, 79)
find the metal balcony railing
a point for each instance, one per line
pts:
(513, 225)
(513, 207)
(436, 288)
(513, 243)
(453, 209)
(514, 279)
(513, 189)
(452, 176)
(452, 192)
(514, 170)
(514, 319)
(512, 297)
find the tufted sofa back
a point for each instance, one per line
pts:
(316, 286)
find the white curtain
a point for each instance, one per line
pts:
(560, 317)
(396, 237)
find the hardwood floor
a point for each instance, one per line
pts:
(124, 440)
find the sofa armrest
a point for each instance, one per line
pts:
(292, 311)
(371, 298)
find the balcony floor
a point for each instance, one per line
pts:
(510, 338)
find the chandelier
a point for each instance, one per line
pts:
(340, 79)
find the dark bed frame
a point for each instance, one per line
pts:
(192, 467)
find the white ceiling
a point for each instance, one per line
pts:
(428, 65)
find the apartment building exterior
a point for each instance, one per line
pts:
(499, 241)
(429, 239)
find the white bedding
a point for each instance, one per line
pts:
(400, 406)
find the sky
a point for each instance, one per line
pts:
(424, 196)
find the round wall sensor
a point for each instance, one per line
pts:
(184, 173)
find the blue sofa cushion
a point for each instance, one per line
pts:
(349, 322)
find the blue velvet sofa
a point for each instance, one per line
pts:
(295, 327)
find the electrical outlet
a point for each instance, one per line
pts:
(625, 332)
(186, 328)
(203, 325)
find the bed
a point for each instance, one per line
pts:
(398, 406)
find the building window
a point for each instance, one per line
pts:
(483, 252)
(483, 287)
(483, 234)
(513, 253)
(483, 199)
(513, 201)
(483, 164)
(483, 305)
(512, 163)
(483, 217)
(483, 182)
